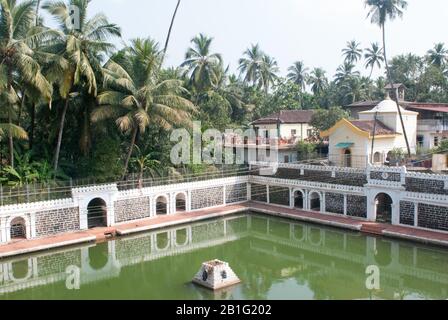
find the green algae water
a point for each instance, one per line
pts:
(274, 258)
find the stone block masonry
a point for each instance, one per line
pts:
(407, 213)
(207, 198)
(53, 222)
(279, 196)
(236, 193)
(357, 206)
(433, 217)
(259, 193)
(334, 203)
(426, 186)
(57, 263)
(132, 209)
(394, 177)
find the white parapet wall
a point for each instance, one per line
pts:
(418, 199)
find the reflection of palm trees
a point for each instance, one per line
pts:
(258, 282)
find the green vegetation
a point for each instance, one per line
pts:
(74, 106)
(327, 118)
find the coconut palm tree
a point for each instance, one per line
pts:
(380, 11)
(201, 64)
(136, 97)
(168, 37)
(438, 56)
(345, 72)
(318, 80)
(352, 52)
(268, 72)
(17, 61)
(81, 52)
(249, 65)
(374, 57)
(298, 74)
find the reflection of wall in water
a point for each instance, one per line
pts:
(107, 260)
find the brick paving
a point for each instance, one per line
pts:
(102, 234)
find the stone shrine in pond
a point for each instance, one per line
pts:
(216, 275)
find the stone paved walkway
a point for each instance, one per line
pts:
(102, 234)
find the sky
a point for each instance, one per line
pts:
(314, 31)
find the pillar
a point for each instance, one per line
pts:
(291, 198)
(249, 192)
(345, 205)
(172, 201)
(3, 230)
(110, 215)
(32, 225)
(396, 212)
(151, 207)
(416, 205)
(371, 209)
(323, 206)
(188, 201)
(83, 223)
(224, 195)
(268, 198)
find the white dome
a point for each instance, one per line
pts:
(387, 105)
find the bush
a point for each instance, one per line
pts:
(306, 150)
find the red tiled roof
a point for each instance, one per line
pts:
(368, 125)
(435, 107)
(426, 106)
(287, 116)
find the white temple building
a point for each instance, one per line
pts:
(350, 141)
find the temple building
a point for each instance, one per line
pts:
(350, 141)
(432, 123)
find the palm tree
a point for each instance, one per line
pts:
(249, 65)
(268, 72)
(81, 53)
(438, 56)
(352, 52)
(17, 61)
(357, 89)
(146, 163)
(374, 57)
(136, 97)
(201, 63)
(379, 12)
(168, 37)
(37, 12)
(298, 74)
(318, 81)
(345, 72)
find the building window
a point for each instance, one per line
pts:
(287, 160)
(420, 141)
(436, 141)
(310, 133)
(293, 133)
(377, 157)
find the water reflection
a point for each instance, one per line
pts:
(276, 259)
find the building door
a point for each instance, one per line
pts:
(383, 208)
(97, 213)
(348, 158)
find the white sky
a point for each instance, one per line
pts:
(314, 31)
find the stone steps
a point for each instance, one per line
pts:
(373, 228)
